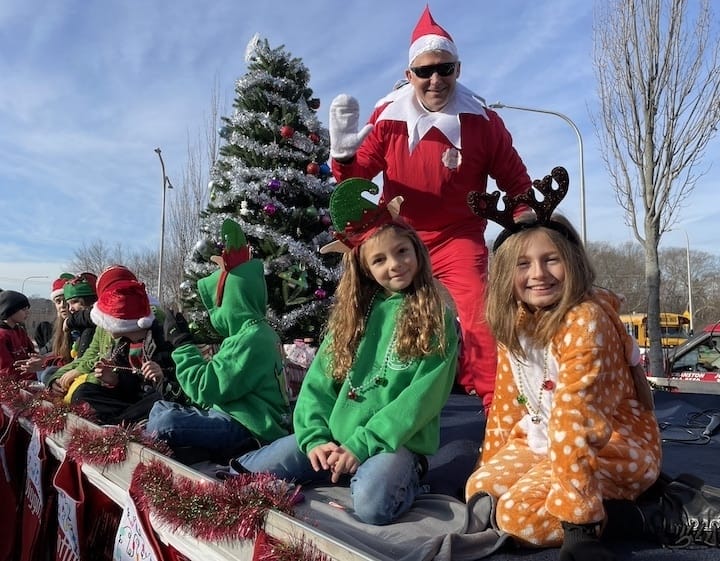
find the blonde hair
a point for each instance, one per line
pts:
(507, 317)
(420, 322)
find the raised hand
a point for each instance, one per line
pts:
(344, 136)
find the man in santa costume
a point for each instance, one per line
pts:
(434, 141)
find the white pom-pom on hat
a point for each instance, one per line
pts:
(123, 304)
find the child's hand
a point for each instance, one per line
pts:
(318, 456)
(106, 373)
(31, 364)
(342, 461)
(65, 381)
(152, 372)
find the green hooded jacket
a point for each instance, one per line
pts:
(245, 377)
(402, 410)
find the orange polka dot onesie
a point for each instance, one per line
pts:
(594, 440)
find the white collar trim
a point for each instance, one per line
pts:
(403, 105)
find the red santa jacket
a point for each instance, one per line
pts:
(435, 177)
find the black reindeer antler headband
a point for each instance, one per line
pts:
(485, 205)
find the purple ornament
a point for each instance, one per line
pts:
(274, 185)
(326, 220)
(269, 209)
(320, 294)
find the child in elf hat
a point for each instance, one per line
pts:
(369, 406)
(570, 425)
(128, 360)
(78, 326)
(240, 391)
(16, 347)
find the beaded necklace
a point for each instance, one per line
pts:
(522, 380)
(354, 392)
(137, 356)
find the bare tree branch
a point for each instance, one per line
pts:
(657, 64)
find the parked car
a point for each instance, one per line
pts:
(694, 366)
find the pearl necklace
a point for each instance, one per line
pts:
(545, 385)
(354, 392)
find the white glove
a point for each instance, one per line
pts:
(344, 136)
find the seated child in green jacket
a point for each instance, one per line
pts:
(240, 391)
(369, 406)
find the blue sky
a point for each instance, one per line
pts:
(90, 89)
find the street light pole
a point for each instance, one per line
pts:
(165, 186)
(690, 302)
(583, 229)
(22, 289)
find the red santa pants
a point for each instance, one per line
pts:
(461, 265)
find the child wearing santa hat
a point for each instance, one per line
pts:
(128, 362)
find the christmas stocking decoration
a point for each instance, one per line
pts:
(10, 490)
(38, 500)
(70, 500)
(135, 539)
(101, 521)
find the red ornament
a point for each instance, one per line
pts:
(352, 394)
(269, 209)
(286, 131)
(548, 385)
(314, 138)
(312, 168)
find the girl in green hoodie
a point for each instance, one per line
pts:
(369, 406)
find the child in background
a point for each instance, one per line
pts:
(16, 347)
(128, 360)
(569, 427)
(369, 406)
(240, 391)
(49, 359)
(80, 296)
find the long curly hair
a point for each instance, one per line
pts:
(420, 322)
(508, 317)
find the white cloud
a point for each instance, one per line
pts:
(91, 89)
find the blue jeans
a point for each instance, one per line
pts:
(383, 488)
(182, 425)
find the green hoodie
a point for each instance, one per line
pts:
(402, 410)
(245, 377)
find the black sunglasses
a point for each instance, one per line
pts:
(443, 69)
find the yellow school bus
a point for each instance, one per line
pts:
(674, 328)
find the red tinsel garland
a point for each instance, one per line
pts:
(108, 445)
(212, 510)
(13, 392)
(299, 550)
(51, 417)
(47, 410)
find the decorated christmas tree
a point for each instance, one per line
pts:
(273, 179)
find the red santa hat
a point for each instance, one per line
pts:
(123, 304)
(58, 285)
(429, 36)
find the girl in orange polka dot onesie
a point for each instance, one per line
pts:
(567, 428)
